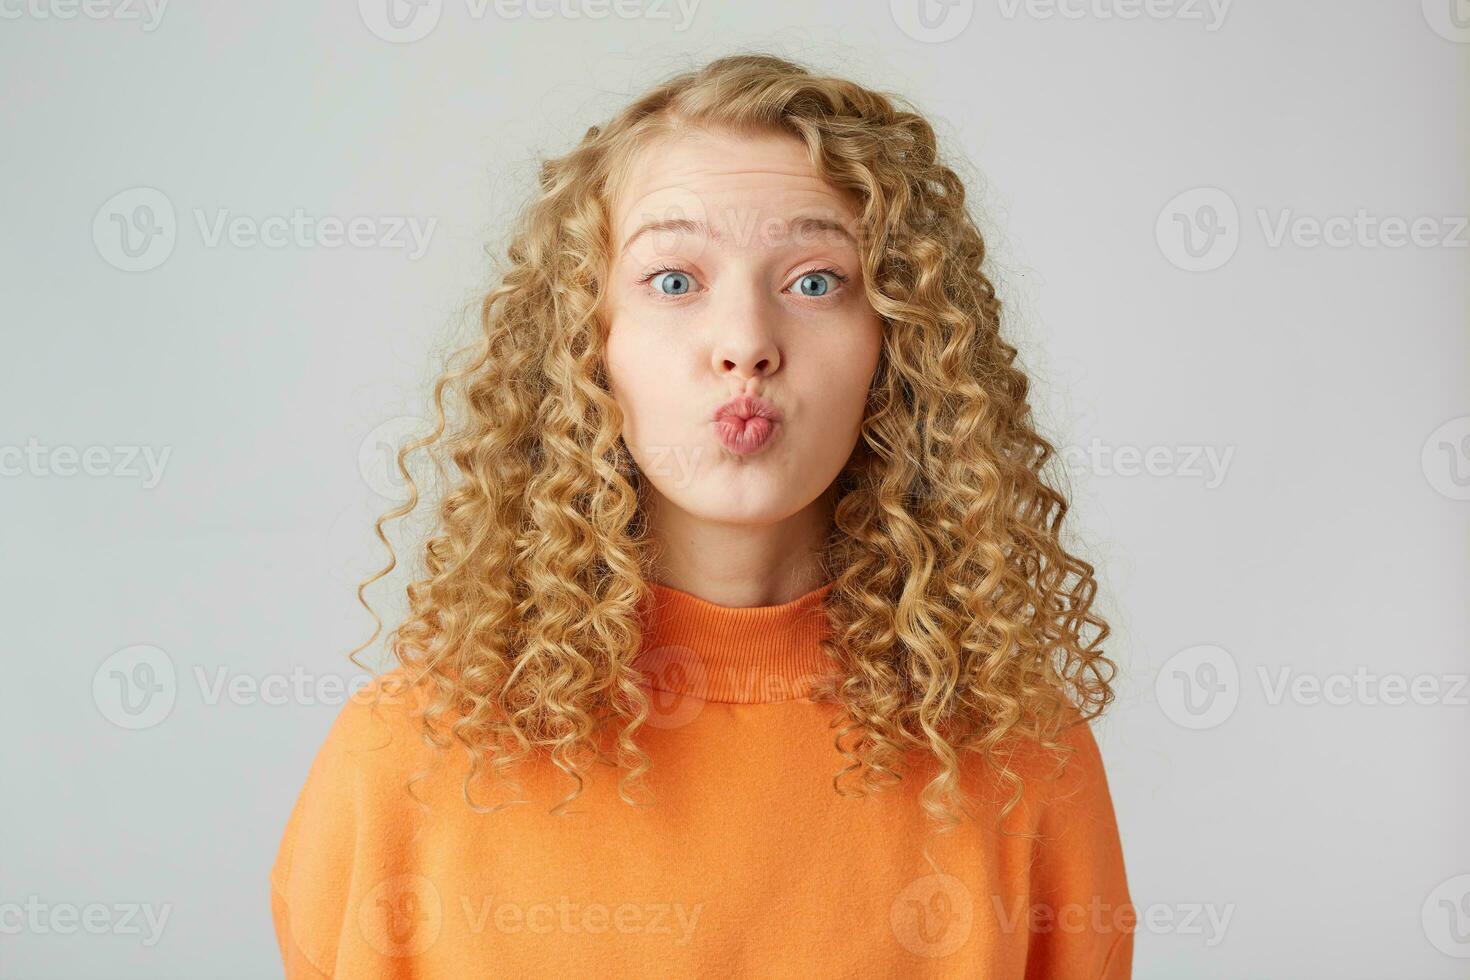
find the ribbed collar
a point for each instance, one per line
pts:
(738, 655)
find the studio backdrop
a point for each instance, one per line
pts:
(1230, 237)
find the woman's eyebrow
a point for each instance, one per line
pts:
(800, 226)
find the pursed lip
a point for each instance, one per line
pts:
(748, 406)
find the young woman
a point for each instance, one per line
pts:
(747, 645)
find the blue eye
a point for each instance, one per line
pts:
(676, 282)
(812, 284)
(672, 282)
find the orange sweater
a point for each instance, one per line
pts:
(747, 865)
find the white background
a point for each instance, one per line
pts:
(1330, 539)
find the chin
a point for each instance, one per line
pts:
(740, 505)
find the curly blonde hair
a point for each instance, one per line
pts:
(960, 622)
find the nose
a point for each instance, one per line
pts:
(745, 344)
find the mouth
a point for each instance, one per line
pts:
(747, 424)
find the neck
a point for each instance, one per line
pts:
(739, 565)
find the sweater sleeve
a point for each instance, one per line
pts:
(311, 879)
(1083, 918)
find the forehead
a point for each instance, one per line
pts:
(742, 187)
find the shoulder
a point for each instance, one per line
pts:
(352, 802)
(374, 743)
(1080, 774)
(1054, 792)
(1065, 783)
(1064, 769)
(383, 716)
(1076, 893)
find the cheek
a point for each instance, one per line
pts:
(636, 363)
(624, 349)
(871, 348)
(846, 368)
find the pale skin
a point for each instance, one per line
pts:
(747, 295)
